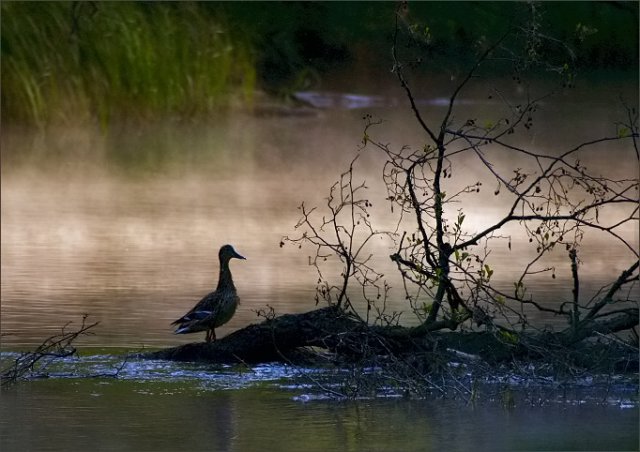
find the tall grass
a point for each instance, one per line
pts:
(65, 61)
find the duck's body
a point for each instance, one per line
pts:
(216, 308)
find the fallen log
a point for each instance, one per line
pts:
(281, 339)
(269, 341)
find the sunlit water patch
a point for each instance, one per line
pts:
(123, 367)
(305, 384)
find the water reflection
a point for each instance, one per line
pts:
(129, 234)
(132, 415)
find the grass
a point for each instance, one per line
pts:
(65, 61)
(69, 61)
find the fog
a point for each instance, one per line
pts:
(124, 223)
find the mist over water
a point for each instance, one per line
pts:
(124, 224)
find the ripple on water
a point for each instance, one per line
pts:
(314, 384)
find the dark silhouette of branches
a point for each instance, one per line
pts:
(555, 199)
(34, 364)
(344, 231)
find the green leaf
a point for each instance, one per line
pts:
(509, 337)
(623, 132)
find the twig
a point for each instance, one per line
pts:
(58, 346)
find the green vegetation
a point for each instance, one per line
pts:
(71, 60)
(101, 60)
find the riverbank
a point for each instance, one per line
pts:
(73, 61)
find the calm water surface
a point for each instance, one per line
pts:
(165, 406)
(125, 226)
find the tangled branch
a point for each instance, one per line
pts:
(34, 364)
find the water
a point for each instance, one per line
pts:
(156, 405)
(128, 231)
(145, 417)
(125, 226)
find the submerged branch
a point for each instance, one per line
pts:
(54, 347)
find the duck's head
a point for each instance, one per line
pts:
(227, 253)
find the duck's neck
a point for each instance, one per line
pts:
(225, 280)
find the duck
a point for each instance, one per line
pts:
(216, 308)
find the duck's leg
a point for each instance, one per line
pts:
(211, 335)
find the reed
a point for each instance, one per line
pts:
(65, 61)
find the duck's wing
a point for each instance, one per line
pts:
(194, 316)
(200, 311)
(193, 326)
